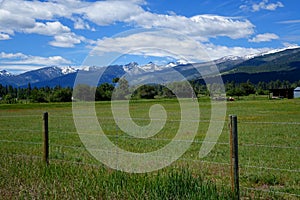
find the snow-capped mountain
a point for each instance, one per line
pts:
(151, 67)
(5, 73)
(34, 76)
(278, 60)
(178, 62)
(277, 50)
(90, 68)
(132, 68)
(229, 58)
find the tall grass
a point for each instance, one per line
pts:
(28, 178)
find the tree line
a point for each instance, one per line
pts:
(120, 89)
(10, 94)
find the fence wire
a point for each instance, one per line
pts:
(155, 119)
(185, 159)
(271, 191)
(117, 136)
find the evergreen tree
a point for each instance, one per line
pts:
(104, 92)
(83, 92)
(121, 90)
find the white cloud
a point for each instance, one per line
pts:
(217, 51)
(296, 21)
(48, 28)
(213, 25)
(200, 26)
(81, 24)
(20, 62)
(10, 22)
(37, 9)
(4, 55)
(163, 44)
(18, 69)
(63, 37)
(266, 37)
(66, 40)
(4, 36)
(21, 16)
(265, 5)
(23, 59)
(44, 18)
(108, 12)
(152, 43)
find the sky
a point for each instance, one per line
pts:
(78, 33)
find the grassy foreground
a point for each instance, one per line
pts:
(29, 178)
(269, 141)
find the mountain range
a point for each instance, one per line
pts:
(280, 64)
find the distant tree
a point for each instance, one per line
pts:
(275, 84)
(216, 89)
(2, 90)
(239, 92)
(146, 92)
(166, 92)
(248, 88)
(181, 89)
(104, 92)
(230, 86)
(116, 80)
(61, 95)
(38, 96)
(261, 88)
(83, 92)
(11, 90)
(22, 93)
(122, 89)
(286, 84)
(9, 99)
(28, 89)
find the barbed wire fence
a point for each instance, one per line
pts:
(61, 151)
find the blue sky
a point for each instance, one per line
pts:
(35, 34)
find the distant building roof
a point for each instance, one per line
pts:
(297, 89)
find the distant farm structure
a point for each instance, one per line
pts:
(282, 93)
(297, 92)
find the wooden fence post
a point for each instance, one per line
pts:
(46, 139)
(234, 160)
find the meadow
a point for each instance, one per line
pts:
(269, 149)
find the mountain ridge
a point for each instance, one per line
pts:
(281, 61)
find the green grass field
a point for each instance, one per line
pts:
(269, 149)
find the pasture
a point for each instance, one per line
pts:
(269, 149)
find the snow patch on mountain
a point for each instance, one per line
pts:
(52, 71)
(178, 62)
(279, 50)
(5, 73)
(151, 67)
(135, 68)
(68, 70)
(250, 56)
(229, 58)
(130, 66)
(182, 62)
(90, 68)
